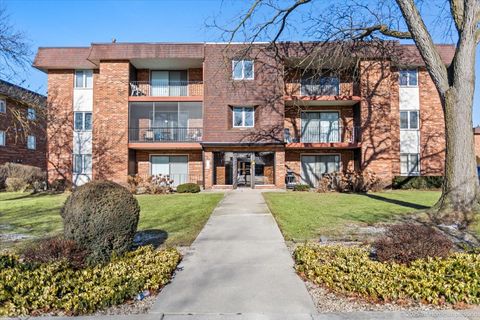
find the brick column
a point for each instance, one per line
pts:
(280, 169)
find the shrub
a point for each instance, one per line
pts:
(350, 181)
(21, 177)
(156, 184)
(350, 270)
(301, 187)
(102, 217)
(404, 243)
(60, 185)
(54, 286)
(56, 249)
(422, 182)
(188, 188)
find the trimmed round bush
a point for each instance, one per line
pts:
(301, 187)
(102, 217)
(188, 188)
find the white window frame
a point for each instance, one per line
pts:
(243, 116)
(31, 114)
(243, 69)
(3, 140)
(408, 78)
(83, 121)
(31, 142)
(409, 170)
(409, 125)
(83, 166)
(3, 105)
(84, 79)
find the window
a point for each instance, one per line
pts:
(242, 69)
(3, 105)
(31, 114)
(2, 138)
(315, 166)
(176, 167)
(409, 164)
(31, 142)
(408, 78)
(408, 119)
(83, 121)
(83, 79)
(320, 127)
(243, 117)
(319, 86)
(82, 163)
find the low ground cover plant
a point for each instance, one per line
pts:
(188, 188)
(407, 242)
(351, 270)
(301, 187)
(27, 288)
(420, 182)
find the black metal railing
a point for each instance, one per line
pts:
(166, 88)
(168, 134)
(315, 134)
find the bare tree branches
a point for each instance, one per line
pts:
(383, 29)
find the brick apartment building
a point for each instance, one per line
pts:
(237, 115)
(22, 127)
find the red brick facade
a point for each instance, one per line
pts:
(368, 107)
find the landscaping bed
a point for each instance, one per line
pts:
(359, 282)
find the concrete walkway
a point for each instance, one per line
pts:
(238, 264)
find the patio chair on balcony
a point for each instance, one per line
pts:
(148, 135)
(135, 90)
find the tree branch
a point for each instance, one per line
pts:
(426, 47)
(457, 8)
(383, 29)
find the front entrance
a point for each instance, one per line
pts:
(244, 169)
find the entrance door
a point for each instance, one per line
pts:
(160, 85)
(244, 173)
(176, 167)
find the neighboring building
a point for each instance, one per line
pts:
(22, 127)
(476, 139)
(236, 115)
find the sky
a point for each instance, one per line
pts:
(79, 23)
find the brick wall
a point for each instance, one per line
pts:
(265, 92)
(110, 127)
(60, 124)
(376, 119)
(15, 149)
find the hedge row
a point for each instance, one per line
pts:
(350, 270)
(420, 182)
(52, 287)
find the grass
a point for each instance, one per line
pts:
(308, 215)
(179, 216)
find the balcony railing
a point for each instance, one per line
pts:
(156, 135)
(312, 134)
(163, 88)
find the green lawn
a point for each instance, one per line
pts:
(308, 215)
(178, 217)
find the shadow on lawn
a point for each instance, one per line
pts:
(152, 237)
(397, 202)
(33, 195)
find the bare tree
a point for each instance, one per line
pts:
(368, 21)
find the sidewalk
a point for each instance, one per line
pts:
(239, 263)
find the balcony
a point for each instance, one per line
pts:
(164, 135)
(166, 88)
(334, 135)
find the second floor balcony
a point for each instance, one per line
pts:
(164, 134)
(166, 88)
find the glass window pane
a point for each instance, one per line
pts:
(249, 117)
(78, 121)
(31, 114)
(413, 163)
(88, 78)
(403, 78)
(87, 163)
(403, 164)
(237, 117)
(248, 69)
(403, 120)
(413, 120)
(88, 121)
(3, 106)
(2, 138)
(79, 79)
(31, 142)
(237, 70)
(77, 163)
(412, 77)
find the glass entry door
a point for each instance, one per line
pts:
(176, 167)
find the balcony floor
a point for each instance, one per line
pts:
(164, 98)
(165, 145)
(322, 145)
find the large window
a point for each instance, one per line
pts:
(313, 85)
(409, 120)
(408, 78)
(315, 166)
(242, 69)
(2, 138)
(243, 117)
(176, 167)
(320, 127)
(83, 79)
(31, 142)
(82, 163)
(3, 106)
(409, 164)
(83, 121)
(169, 83)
